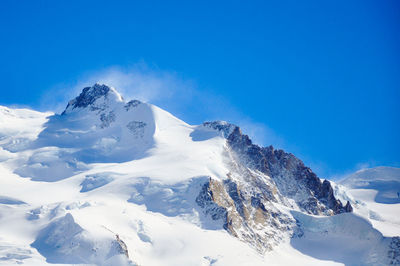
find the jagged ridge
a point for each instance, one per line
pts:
(284, 169)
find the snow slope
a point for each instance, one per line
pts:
(374, 193)
(111, 182)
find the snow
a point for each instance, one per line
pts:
(18, 128)
(345, 238)
(384, 180)
(70, 183)
(375, 190)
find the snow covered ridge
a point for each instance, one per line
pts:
(110, 182)
(375, 195)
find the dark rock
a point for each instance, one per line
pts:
(234, 193)
(137, 128)
(205, 199)
(132, 104)
(106, 119)
(256, 203)
(88, 96)
(244, 215)
(224, 127)
(394, 251)
(348, 207)
(259, 178)
(290, 175)
(122, 247)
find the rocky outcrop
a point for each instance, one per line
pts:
(348, 207)
(137, 128)
(394, 251)
(244, 213)
(121, 246)
(96, 98)
(132, 104)
(213, 200)
(250, 201)
(289, 175)
(106, 119)
(88, 96)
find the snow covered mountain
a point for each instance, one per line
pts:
(115, 182)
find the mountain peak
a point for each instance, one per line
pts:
(91, 94)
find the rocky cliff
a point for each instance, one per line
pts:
(262, 183)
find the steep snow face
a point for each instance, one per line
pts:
(110, 182)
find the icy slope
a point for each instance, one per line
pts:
(111, 182)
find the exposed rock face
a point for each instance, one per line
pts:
(121, 246)
(136, 128)
(394, 251)
(132, 104)
(244, 215)
(348, 207)
(224, 127)
(292, 178)
(212, 199)
(88, 96)
(251, 201)
(106, 119)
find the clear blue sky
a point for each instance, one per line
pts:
(324, 75)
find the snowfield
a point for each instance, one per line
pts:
(111, 182)
(376, 195)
